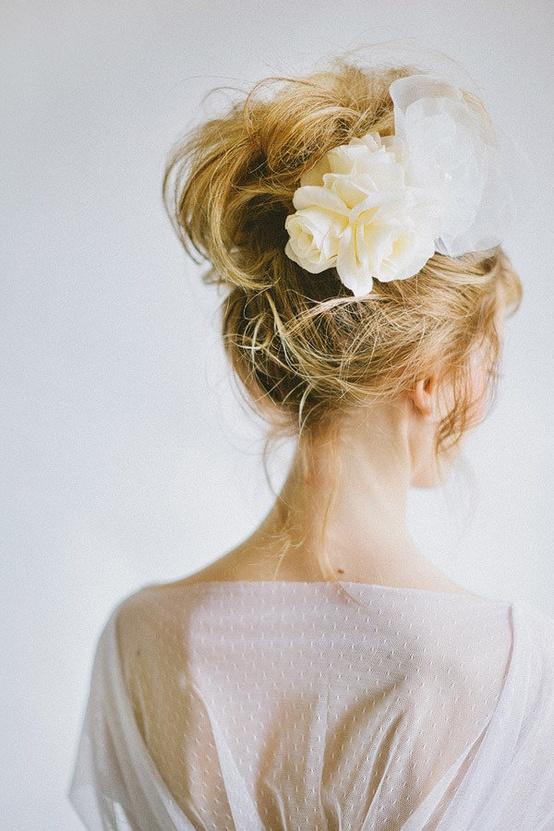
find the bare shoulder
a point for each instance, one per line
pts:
(241, 563)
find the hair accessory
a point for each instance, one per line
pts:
(380, 206)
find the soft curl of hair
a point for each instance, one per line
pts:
(304, 347)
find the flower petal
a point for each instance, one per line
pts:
(410, 252)
(377, 241)
(312, 267)
(319, 221)
(352, 275)
(309, 196)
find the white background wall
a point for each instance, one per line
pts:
(127, 455)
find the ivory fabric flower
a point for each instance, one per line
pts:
(379, 207)
(355, 211)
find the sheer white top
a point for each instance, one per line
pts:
(263, 706)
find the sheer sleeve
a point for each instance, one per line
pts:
(170, 709)
(509, 783)
(114, 784)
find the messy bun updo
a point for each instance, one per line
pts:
(304, 347)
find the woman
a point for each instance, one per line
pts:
(324, 674)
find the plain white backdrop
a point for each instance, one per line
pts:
(128, 456)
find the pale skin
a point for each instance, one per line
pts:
(384, 450)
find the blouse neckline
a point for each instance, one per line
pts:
(355, 585)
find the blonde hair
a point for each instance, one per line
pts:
(304, 347)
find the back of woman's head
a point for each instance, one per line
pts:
(306, 349)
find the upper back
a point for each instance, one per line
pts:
(322, 695)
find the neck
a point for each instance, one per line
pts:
(345, 518)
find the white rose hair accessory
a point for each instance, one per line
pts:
(380, 206)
